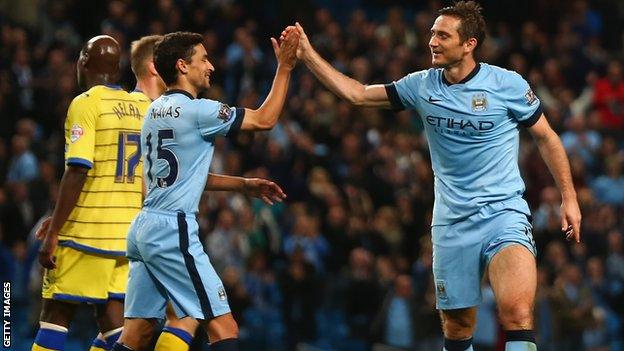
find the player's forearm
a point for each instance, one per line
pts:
(218, 182)
(69, 192)
(341, 85)
(554, 155)
(270, 110)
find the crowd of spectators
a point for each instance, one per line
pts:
(345, 262)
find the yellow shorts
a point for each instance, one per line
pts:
(82, 276)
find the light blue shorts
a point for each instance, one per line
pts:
(462, 251)
(168, 263)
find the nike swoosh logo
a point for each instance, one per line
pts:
(431, 99)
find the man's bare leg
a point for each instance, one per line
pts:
(513, 276)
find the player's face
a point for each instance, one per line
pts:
(447, 48)
(200, 68)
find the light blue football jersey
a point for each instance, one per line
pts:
(177, 142)
(473, 132)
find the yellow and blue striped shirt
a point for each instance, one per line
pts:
(102, 132)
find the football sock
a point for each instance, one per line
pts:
(111, 337)
(50, 337)
(225, 345)
(99, 344)
(520, 340)
(173, 339)
(457, 345)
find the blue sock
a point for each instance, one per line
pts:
(225, 345)
(51, 337)
(99, 344)
(111, 337)
(458, 345)
(520, 340)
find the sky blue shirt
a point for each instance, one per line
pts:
(177, 144)
(473, 132)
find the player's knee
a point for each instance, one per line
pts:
(137, 334)
(109, 316)
(54, 318)
(57, 312)
(458, 326)
(515, 316)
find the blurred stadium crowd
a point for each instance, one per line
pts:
(345, 263)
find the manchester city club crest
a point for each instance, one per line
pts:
(222, 294)
(479, 102)
(441, 289)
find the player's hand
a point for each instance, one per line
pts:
(286, 51)
(43, 228)
(264, 190)
(46, 252)
(304, 47)
(571, 220)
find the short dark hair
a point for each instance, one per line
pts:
(472, 22)
(140, 51)
(174, 46)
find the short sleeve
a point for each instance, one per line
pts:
(80, 132)
(216, 118)
(404, 92)
(522, 103)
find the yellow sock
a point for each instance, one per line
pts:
(36, 347)
(173, 339)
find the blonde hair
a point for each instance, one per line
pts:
(142, 50)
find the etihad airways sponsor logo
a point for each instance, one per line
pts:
(451, 125)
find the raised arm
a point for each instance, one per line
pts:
(266, 116)
(557, 161)
(345, 87)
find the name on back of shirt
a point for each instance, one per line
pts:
(165, 111)
(123, 109)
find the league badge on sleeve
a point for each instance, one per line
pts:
(75, 132)
(479, 102)
(530, 97)
(225, 113)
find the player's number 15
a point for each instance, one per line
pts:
(162, 153)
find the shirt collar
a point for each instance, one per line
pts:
(113, 86)
(179, 91)
(466, 79)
